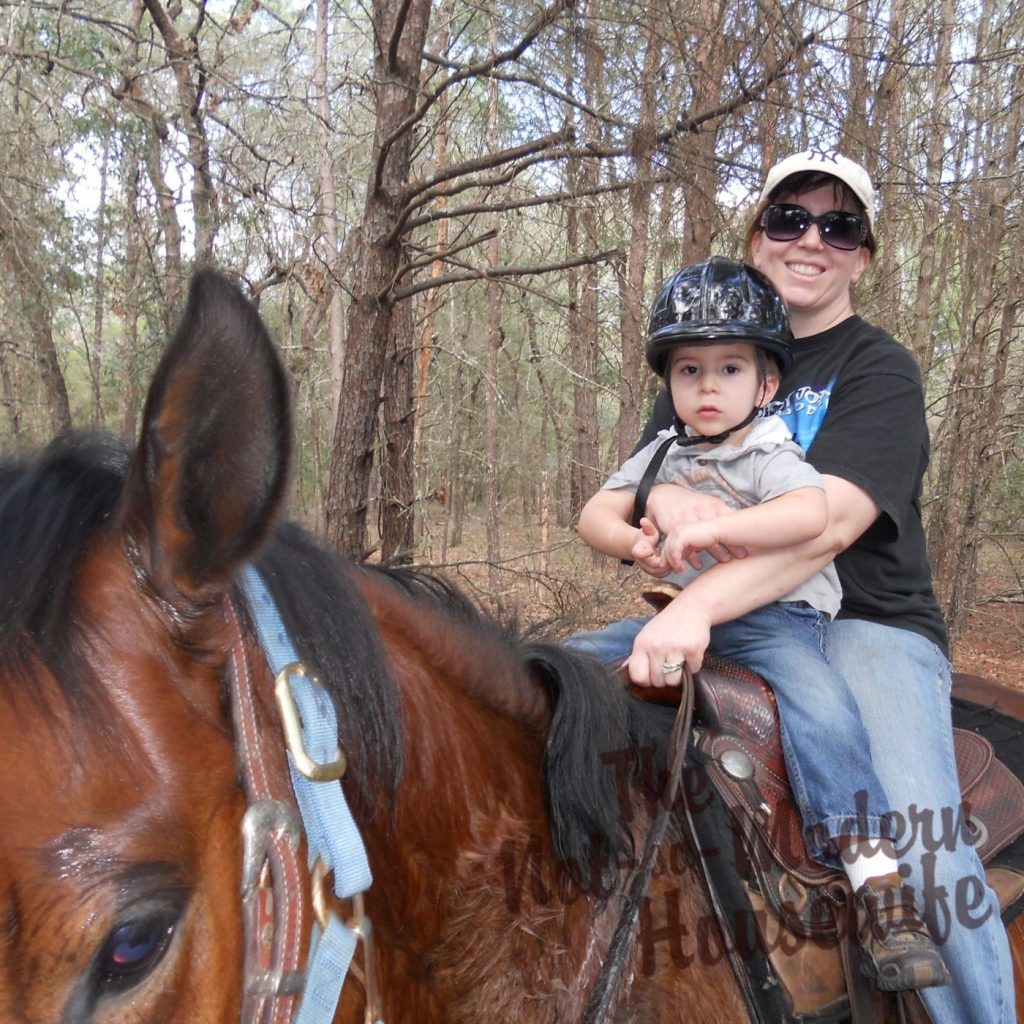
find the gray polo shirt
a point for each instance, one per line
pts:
(766, 464)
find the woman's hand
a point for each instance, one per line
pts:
(670, 506)
(675, 637)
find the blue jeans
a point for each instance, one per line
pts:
(820, 726)
(901, 683)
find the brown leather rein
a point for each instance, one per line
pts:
(605, 991)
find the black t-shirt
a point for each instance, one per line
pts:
(854, 403)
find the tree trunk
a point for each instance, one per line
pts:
(634, 387)
(925, 305)
(492, 520)
(328, 205)
(451, 487)
(583, 335)
(975, 439)
(190, 75)
(99, 293)
(130, 393)
(397, 505)
(8, 392)
(432, 299)
(399, 31)
(34, 300)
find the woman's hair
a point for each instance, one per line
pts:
(795, 186)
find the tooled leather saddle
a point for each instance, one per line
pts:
(806, 963)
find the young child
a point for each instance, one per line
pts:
(719, 336)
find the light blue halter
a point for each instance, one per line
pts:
(316, 766)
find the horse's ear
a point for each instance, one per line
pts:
(210, 469)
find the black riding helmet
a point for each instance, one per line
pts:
(716, 301)
(709, 303)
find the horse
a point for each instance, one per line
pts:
(502, 787)
(497, 783)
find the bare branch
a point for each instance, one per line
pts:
(490, 273)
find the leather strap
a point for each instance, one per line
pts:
(606, 987)
(275, 906)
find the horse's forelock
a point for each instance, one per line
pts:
(50, 508)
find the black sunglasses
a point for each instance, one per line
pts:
(785, 222)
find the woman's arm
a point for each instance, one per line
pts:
(783, 522)
(670, 506)
(680, 633)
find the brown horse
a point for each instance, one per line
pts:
(488, 775)
(502, 788)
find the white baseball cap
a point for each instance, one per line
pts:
(825, 162)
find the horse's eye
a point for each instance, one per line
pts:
(132, 950)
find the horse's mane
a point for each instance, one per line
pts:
(335, 635)
(590, 732)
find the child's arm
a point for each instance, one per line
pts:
(782, 522)
(604, 523)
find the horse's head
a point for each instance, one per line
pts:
(119, 795)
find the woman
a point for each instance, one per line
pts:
(853, 400)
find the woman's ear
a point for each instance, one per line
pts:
(863, 259)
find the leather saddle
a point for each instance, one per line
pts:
(798, 904)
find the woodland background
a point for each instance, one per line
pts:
(454, 216)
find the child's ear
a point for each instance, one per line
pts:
(769, 386)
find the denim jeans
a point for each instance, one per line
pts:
(828, 754)
(611, 645)
(819, 723)
(901, 684)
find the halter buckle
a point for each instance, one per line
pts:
(291, 720)
(263, 821)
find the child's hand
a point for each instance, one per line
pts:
(684, 544)
(646, 551)
(673, 507)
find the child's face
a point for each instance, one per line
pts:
(714, 387)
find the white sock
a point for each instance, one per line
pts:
(869, 859)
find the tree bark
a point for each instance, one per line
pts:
(190, 74)
(583, 333)
(397, 505)
(399, 32)
(700, 183)
(633, 383)
(491, 446)
(328, 205)
(99, 293)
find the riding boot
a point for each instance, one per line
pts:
(896, 949)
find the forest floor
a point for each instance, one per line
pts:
(569, 589)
